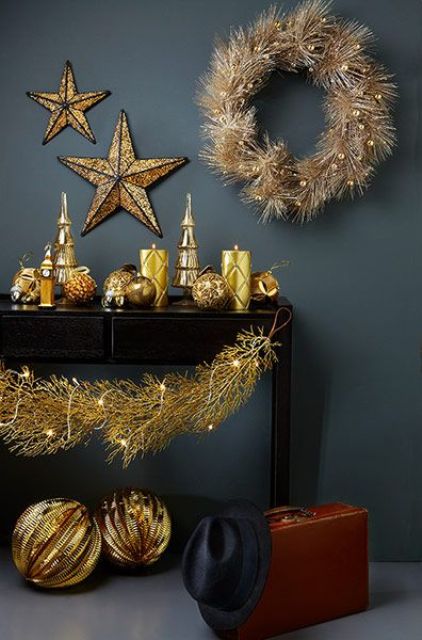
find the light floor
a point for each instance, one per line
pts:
(112, 606)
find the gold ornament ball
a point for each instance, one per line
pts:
(80, 289)
(55, 543)
(135, 527)
(26, 286)
(141, 292)
(115, 284)
(211, 291)
(264, 286)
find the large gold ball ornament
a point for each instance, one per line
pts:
(115, 284)
(80, 288)
(26, 286)
(55, 543)
(264, 287)
(135, 527)
(211, 291)
(141, 292)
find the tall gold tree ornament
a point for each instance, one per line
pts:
(65, 261)
(187, 263)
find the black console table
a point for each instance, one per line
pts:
(170, 335)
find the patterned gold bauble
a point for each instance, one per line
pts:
(211, 291)
(264, 287)
(135, 526)
(115, 285)
(26, 286)
(141, 292)
(55, 543)
(80, 289)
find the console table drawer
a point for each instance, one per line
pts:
(43, 337)
(139, 339)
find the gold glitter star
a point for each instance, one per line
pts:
(68, 106)
(121, 180)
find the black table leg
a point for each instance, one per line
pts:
(280, 433)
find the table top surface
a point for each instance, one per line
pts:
(172, 310)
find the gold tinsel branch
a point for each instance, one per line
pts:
(335, 54)
(40, 416)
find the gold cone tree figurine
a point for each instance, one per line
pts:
(65, 261)
(187, 263)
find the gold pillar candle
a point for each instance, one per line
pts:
(154, 265)
(236, 268)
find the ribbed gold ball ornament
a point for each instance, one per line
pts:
(80, 288)
(141, 292)
(211, 291)
(55, 543)
(135, 526)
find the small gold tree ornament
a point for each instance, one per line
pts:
(65, 261)
(187, 263)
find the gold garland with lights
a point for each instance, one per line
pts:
(334, 54)
(43, 416)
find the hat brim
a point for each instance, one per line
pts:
(226, 620)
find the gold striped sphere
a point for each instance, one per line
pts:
(55, 543)
(135, 527)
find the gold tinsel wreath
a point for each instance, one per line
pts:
(44, 416)
(334, 54)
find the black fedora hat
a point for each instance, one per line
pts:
(226, 563)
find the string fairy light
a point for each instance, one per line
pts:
(43, 416)
(69, 405)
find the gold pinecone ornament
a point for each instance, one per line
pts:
(211, 291)
(135, 527)
(55, 543)
(80, 288)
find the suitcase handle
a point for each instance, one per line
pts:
(287, 513)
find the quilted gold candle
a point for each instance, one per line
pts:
(154, 265)
(236, 268)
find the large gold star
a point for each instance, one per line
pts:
(121, 180)
(68, 106)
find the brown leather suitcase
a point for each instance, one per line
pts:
(318, 572)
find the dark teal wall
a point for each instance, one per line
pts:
(354, 278)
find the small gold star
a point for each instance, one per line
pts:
(68, 106)
(121, 180)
